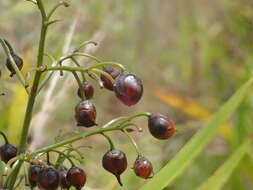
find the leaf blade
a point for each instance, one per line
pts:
(197, 143)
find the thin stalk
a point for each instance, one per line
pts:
(5, 138)
(132, 142)
(82, 55)
(77, 64)
(109, 140)
(79, 84)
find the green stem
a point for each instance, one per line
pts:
(109, 140)
(80, 54)
(79, 84)
(32, 97)
(132, 142)
(5, 138)
(55, 8)
(78, 65)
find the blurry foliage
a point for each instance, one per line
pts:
(199, 50)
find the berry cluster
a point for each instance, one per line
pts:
(49, 178)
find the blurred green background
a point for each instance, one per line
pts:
(191, 55)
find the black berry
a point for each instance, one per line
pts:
(85, 114)
(76, 177)
(114, 72)
(143, 167)
(33, 174)
(115, 162)
(64, 183)
(7, 152)
(161, 126)
(19, 62)
(48, 179)
(87, 89)
(128, 88)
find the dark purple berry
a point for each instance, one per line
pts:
(128, 88)
(33, 174)
(64, 183)
(88, 90)
(115, 162)
(19, 62)
(7, 152)
(76, 177)
(161, 126)
(143, 167)
(85, 114)
(48, 179)
(114, 72)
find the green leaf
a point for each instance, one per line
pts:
(198, 142)
(219, 178)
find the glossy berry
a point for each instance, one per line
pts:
(76, 177)
(64, 183)
(19, 62)
(128, 88)
(33, 174)
(48, 179)
(114, 72)
(115, 162)
(85, 114)
(7, 152)
(161, 126)
(88, 90)
(143, 167)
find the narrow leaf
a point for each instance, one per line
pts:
(219, 178)
(198, 142)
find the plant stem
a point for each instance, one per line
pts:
(79, 84)
(32, 97)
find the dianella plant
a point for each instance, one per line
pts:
(18, 166)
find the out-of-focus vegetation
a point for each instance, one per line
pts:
(192, 56)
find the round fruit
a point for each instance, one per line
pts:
(7, 152)
(19, 62)
(48, 179)
(88, 90)
(85, 114)
(161, 126)
(128, 88)
(143, 167)
(114, 72)
(33, 174)
(115, 162)
(76, 177)
(64, 183)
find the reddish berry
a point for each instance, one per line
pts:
(48, 179)
(114, 72)
(33, 174)
(115, 162)
(7, 152)
(19, 62)
(128, 88)
(88, 90)
(76, 177)
(85, 114)
(64, 183)
(161, 126)
(143, 167)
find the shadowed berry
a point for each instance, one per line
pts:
(114, 72)
(128, 88)
(76, 177)
(7, 152)
(19, 62)
(85, 114)
(143, 167)
(33, 174)
(48, 179)
(161, 126)
(88, 90)
(64, 183)
(115, 162)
